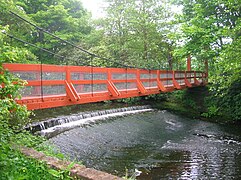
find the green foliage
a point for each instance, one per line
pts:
(10, 111)
(184, 98)
(189, 102)
(226, 99)
(157, 97)
(131, 100)
(64, 18)
(211, 31)
(10, 54)
(213, 111)
(64, 174)
(5, 5)
(14, 165)
(135, 33)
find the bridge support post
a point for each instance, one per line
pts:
(159, 83)
(139, 84)
(175, 83)
(112, 89)
(110, 85)
(141, 87)
(70, 90)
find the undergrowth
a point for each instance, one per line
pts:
(14, 165)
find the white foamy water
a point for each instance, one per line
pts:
(49, 132)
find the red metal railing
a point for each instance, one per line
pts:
(52, 86)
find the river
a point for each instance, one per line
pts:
(156, 145)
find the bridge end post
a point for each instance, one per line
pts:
(189, 63)
(206, 71)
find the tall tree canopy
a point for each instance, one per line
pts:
(64, 18)
(134, 32)
(211, 30)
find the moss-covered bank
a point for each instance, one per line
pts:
(194, 103)
(189, 102)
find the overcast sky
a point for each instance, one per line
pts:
(95, 7)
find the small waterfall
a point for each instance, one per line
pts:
(54, 126)
(42, 126)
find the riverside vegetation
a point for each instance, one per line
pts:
(144, 33)
(13, 164)
(134, 33)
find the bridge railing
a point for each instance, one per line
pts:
(53, 85)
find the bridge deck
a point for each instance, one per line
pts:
(52, 86)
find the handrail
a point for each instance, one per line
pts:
(54, 85)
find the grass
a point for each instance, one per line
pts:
(16, 166)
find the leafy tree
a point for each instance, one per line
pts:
(211, 31)
(135, 32)
(65, 18)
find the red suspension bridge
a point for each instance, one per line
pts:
(53, 86)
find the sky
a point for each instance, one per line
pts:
(95, 7)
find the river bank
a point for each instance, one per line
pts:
(193, 103)
(189, 103)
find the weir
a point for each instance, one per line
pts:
(54, 126)
(53, 85)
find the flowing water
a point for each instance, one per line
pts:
(156, 145)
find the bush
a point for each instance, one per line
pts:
(227, 101)
(11, 112)
(13, 164)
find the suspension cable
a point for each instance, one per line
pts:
(40, 48)
(70, 43)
